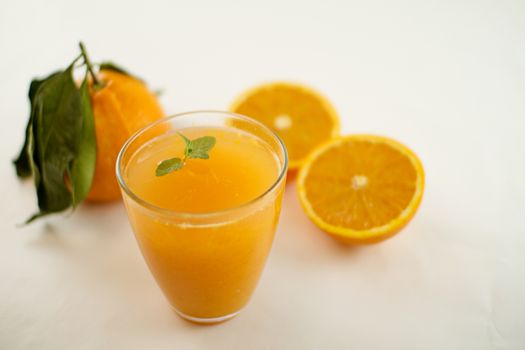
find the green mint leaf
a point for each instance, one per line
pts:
(195, 149)
(188, 149)
(187, 141)
(201, 146)
(199, 155)
(83, 166)
(169, 165)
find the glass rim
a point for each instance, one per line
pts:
(169, 212)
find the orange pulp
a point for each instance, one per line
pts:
(208, 260)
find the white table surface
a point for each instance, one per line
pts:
(445, 77)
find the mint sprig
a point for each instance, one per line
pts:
(194, 149)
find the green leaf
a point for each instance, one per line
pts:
(83, 166)
(201, 146)
(112, 66)
(108, 65)
(194, 149)
(187, 141)
(56, 115)
(199, 155)
(188, 148)
(60, 142)
(167, 166)
(22, 163)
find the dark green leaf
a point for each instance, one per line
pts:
(61, 143)
(83, 166)
(22, 165)
(116, 68)
(56, 116)
(167, 166)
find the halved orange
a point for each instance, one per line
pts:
(301, 116)
(361, 188)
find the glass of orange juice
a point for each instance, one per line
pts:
(206, 229)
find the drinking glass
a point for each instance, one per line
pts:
(206, 263)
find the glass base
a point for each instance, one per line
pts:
(211, 320)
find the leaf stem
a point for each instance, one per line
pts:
(89, 66)
(75, 60)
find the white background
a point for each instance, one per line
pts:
(445, 77)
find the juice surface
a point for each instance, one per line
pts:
(207, 268)
(240, 168)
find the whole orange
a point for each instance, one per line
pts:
(121, 107)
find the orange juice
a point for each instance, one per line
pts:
(205, 230)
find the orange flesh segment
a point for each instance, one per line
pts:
(360, 185)
(300, 116)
